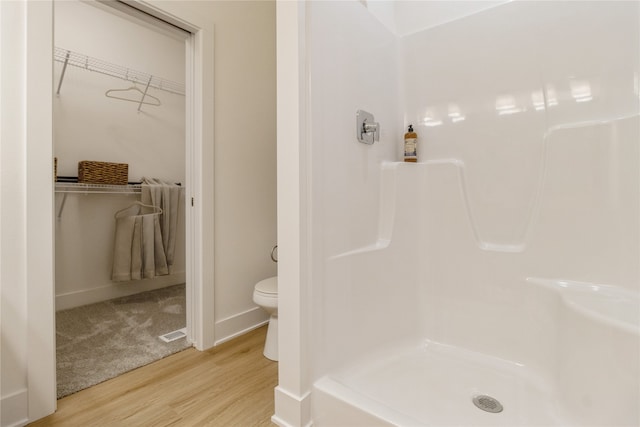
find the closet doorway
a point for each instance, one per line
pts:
(119, 77)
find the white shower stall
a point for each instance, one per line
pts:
(497, 280)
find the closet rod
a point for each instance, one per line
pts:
(79, 187)
(86, 188)
(72, 187)
(79, 60)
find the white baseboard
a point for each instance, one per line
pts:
(281, 423)
(239, 324)
(116, 290)
(292, 410)
(15, 409)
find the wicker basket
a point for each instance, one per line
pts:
(90, 172)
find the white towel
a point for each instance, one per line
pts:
(169, 197)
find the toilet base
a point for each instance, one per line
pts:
(271, 343)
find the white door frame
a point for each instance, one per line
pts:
(41, 368)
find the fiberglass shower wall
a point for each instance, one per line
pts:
(353, 65)
(535, 107)
(539, 100)
(88, 125)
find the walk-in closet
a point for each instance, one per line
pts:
(119, 148)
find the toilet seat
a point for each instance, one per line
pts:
(267, 287)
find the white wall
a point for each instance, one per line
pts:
(244, 185)
(292, 396)
(26, 226)
(90, 126)
(12, 221)
(245, 158)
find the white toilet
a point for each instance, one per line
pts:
(265, 295)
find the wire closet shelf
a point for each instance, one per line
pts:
(78, 187)
(68, 57)
(84, 188)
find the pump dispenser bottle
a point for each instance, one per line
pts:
(410, 152)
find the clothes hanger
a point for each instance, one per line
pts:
(156, 210)
(133, 90)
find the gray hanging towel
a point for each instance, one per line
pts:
(138, 252)
(168, 197)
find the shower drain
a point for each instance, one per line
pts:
(487, 403)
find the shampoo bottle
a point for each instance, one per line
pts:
(410, 138)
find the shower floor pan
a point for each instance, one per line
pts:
(434, 385)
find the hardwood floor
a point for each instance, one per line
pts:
(230, 385)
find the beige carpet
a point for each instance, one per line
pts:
(100, 341)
